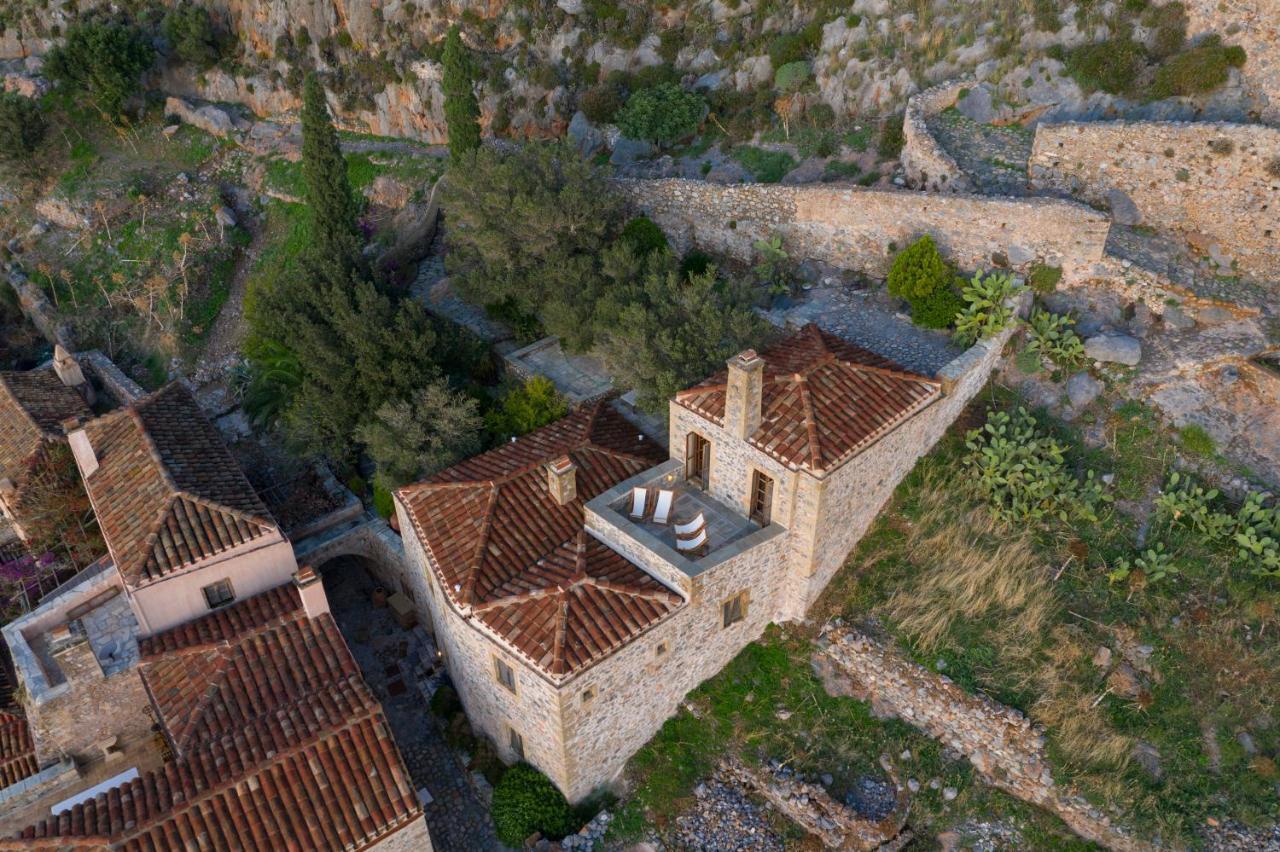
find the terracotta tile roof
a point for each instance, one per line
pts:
(824, 399)
(167, 492)
(17, 752)
(502, 547)
(33, 405)
(280, 744)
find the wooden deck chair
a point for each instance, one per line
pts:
(639, 503)
(662, 510)
(695, 546)
(691, 528)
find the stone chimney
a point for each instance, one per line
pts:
(314, 601)
(67, 367)
(743, 394)
(86, 458)
(562, 480)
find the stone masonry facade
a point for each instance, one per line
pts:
(1000, 742)
(1215, 184)
(860, 229)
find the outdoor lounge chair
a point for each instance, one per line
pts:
(693, 546)
(639, 503)
(662, 511)
(691, 528)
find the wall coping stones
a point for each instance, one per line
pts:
(927, 164)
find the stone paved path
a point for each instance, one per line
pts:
(457, 820)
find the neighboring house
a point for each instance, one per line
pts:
(573, 630)
(277, 742)
(34, 405)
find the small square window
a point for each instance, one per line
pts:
(516, 741)
(661, 650)
(219, 594)
(504, 673)
(588, 695)
(735, 609)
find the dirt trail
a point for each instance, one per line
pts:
(222, 347)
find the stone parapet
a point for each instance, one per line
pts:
(926, 162)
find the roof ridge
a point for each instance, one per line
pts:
(482, 545)
(810, 421)
(230, 510)
(885, 371)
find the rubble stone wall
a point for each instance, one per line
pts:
(1000, 742)
(861, 229)
(1215, 184)
(926, 162)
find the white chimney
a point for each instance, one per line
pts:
(744, 393)
(86, 458)
(315, 602)
(67, 367)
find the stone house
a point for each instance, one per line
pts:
(191, 688)
(573, 630)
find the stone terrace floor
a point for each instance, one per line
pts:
(393, 661)
(724, 525)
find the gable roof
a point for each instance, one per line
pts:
(824, 400)
(33, 405)
(167, 492)
(523, 563)
(287, 754)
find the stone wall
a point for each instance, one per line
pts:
(926, 162)
(1001, 743)
(855, 228)
(1255, 26)
(1215, 184)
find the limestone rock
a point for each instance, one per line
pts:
(571, 7)
(61, 212)
(1083, 389)
(1123, 210)
(1102, 657)
(586, 136)
(1148, 757)
(1114, 348)
(627, 151)
(225, 217)
(978, 105)
(210, 119)
(1176, 318)
(386, 191)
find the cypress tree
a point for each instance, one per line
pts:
(461, 110)
(334, 252)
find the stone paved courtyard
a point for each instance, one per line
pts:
(397, 665)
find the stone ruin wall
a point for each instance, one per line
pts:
(1211, 184)
(1255, 26)
(927, 164)
(860, 229)
(1001, 743)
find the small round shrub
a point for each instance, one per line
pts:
(1044, 279)
(22, 126)
(919, 271)
(792, 76)
(662, 114)
(1110, 66)
(937, 310)
(787, 48)
(601, 102)
(1196, 71)
(644, 236)
(524, 802)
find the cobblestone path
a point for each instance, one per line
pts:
(395, 663)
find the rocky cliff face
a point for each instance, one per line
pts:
(535, 57)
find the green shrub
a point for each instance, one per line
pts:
(383, 503)
(644, 236)
(1110, 66)
(1169, 26)
(101, 61)
(937, 310)
(526, 407)
(662, 114)
(892, 138)
(445, 702)
(792, 76)
(985, 313)
(601, 102)
(1196, 71)
(1023, 473)
(788, 48)
(22, 127)
(695, 263)
(1052, 336)
(190, 32)
(524, 802)
(765, 166)
(1044, 279)
(919, 271)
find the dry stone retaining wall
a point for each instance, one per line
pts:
(1207, 182)
(926, 162)
(861, 228)
(1000, 742)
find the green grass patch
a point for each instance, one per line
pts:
(765, 166)
(1197, 441)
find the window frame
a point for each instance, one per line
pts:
(762, 486)
(515, 742)
(231, 594)
(501, 666)
(741, 602)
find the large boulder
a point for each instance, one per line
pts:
(1114, 348)
(977, 104)
(210, 119)
(62, 212)
(585, 136)
(628, 151)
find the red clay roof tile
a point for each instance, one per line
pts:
(523, 563)
(33, 405)
(824, 400)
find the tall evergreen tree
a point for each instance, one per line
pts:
(334, 253)
(461, 110)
